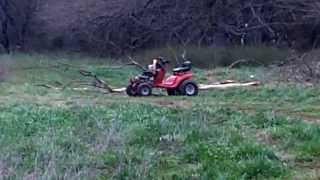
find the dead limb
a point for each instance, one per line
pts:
(228, 85)
(105, 88)
(119, 90)
(135, 63)
(99, 83)
(237, 62)
(80, 89)
(48, 86)
(69, 84)
(203, 87)
(243, 61)
(131, 62)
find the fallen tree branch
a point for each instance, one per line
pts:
(242, 61)
(74, 82)
(238, 62)
(48, 86)
(222, 85)
(135, 63)
(227, 86)
(102, 85)
(99, 83)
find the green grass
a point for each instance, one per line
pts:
(66, 134)
(124, 141)
(302, 139)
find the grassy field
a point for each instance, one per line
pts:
(267, 132)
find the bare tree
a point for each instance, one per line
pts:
(14, 22)
(6, 20)
(120, 27)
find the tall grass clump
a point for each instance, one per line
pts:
(299, 138)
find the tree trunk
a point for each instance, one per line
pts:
(5, 25)
(5, 42)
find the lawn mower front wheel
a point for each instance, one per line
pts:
(131, 91)
(144, 89)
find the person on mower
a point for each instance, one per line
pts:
(157, 69)
(157, 65)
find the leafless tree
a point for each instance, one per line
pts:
(14, 22)
(120, 27)
(6, 20)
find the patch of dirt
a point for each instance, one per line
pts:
(4, 71)
(34, 175)
(5, 171)
(54, 100)
(308, 170)
(178, 104)
(305, 170)
(265, 138)
(310, 119)
(252, 108)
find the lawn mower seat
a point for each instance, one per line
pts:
(185, 67)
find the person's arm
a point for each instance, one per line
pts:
(154, 66)
(155, 63)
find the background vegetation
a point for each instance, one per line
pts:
(119, 27)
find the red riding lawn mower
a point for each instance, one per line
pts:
(181, 83)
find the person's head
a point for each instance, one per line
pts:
(161, 60)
